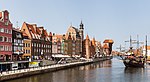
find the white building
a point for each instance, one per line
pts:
(148, 51)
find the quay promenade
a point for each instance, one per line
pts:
(8, 75)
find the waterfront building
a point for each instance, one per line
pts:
(57, 44)
(37, 42)
(107, 46)
(68, 46)
(74, 40)
(93, 47)
(144, 52)
(99, 49)
(5, 36)
(86, 47)
(17, 44)
(89, 48)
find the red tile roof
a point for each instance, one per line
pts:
(45, 33)
(36, 31)
(108, 41)
(105, 46)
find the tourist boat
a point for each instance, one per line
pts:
(132, 60)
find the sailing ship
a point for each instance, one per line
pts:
(132, 60)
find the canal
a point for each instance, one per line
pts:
(106, 71)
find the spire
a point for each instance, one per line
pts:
(93, 42)
(87, 37)
(81, 25)
(50, 34)
(93, 39)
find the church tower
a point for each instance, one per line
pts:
(81, 33)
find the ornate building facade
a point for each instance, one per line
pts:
(17, 45)
(5, 36)
(37, 42)
(73, 42)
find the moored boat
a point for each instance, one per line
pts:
(132, 61)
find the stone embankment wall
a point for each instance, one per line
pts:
(33, 71)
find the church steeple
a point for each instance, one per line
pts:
(81, 25)
(81, 31)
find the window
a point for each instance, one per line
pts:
(10, 48)
(9, 39)
(1, 39)
(5, 39)
(28, 52)
(28, 44)
(34, 44)
(1, 48)
(6, 17)
(6, 30)
(1, 29)
(10, 31)
(14, 40)
(19, 41)
(15, 48)
(6, 48)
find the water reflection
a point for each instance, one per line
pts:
(134, 74)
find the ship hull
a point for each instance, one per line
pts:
(132, 63)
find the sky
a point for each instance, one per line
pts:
(102, 19)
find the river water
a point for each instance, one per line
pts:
(106, 71)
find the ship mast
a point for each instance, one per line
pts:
(146, 48)
(137, 44)
(130, 42)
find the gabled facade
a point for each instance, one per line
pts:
(77, 36)
(89, 48)
(5, 37)
(17, 45)
(57, 44)
(37, 42)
